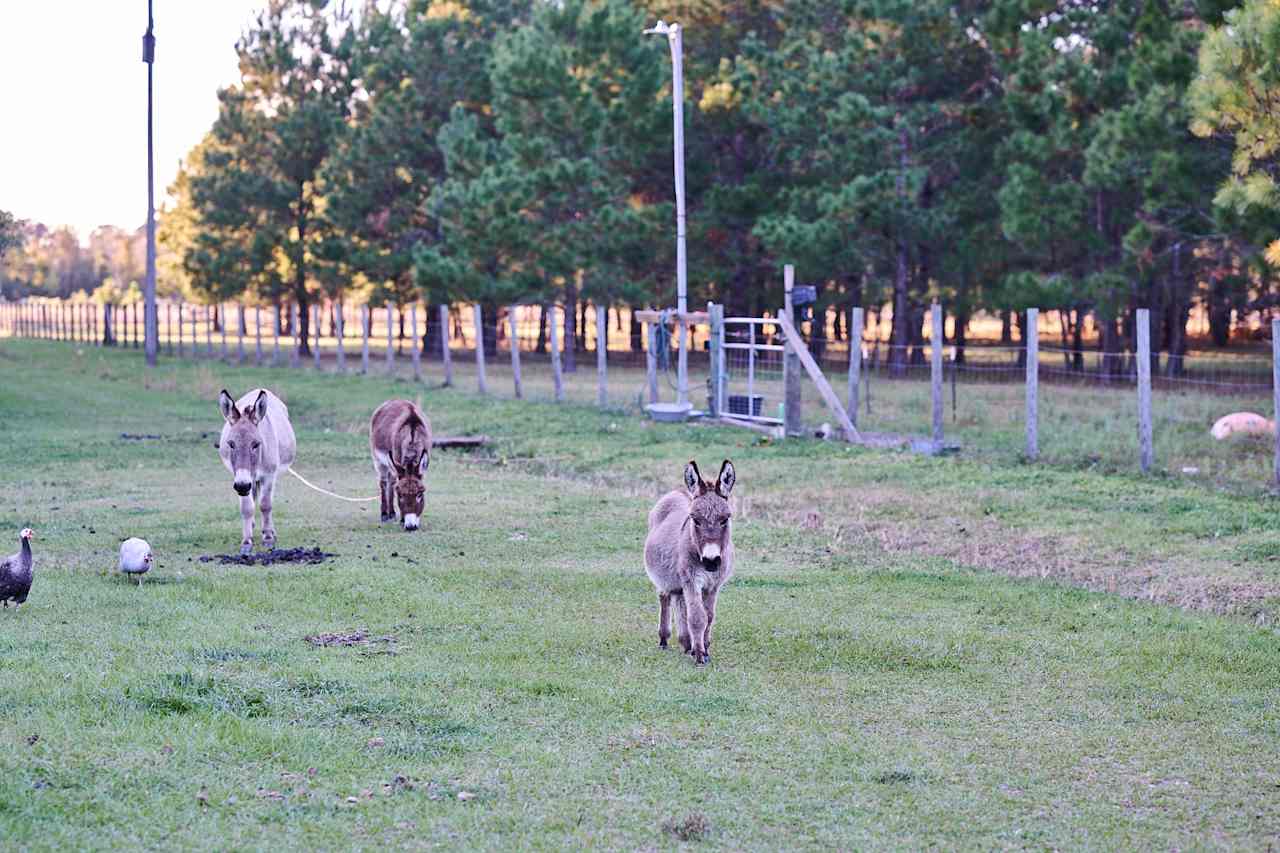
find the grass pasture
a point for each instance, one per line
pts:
(964, 652)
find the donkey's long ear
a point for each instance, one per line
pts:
(693, 479)
(228, 407)
(423, 463)
(259, 411)
(724, 483)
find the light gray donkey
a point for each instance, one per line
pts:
(688, 555)
(256, 445)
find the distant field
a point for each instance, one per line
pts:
(963, 652)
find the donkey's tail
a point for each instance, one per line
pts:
(327, 492)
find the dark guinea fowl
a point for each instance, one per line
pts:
(16, 572)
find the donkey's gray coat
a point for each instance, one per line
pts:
(257, 444)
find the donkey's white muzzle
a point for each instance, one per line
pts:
(243, 482)
(410, 522)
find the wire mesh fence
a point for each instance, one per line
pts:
(1087, 400)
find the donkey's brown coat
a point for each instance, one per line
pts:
(400, 441)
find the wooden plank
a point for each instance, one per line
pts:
(513, 320)
(459, 440)
(477, 315)
(276, 323)
(1146, 452)
(692, 317)
(239, 333)
(855, 361)
(824, 387)
(936, 343)
(257, 334)
(1033, 383)
(716, 313)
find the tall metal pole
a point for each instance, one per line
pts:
(674, 36)
(151, 319)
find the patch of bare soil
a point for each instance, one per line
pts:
(358, 637)
(267, 558)
(940, 528)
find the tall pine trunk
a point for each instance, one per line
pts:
(569, 360)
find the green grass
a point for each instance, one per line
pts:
(878, 679)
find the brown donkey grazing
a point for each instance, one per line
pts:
(400, 439)
(256, 445)
(688, 555)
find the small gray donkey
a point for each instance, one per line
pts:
(688, 555)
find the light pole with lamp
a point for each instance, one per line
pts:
(674, 34)
(149, 293)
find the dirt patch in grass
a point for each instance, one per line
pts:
(267, 558)
(692, 827)
(358, 637)
(899, 522)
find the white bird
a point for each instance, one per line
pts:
(135, 557)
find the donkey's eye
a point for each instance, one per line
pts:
(231, 444)
(256, 445)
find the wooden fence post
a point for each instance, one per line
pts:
(239, 333)
(222, 317)
(208, 332)
(514, 337)
(168, 327)
(295, 332)
(651, 362)
(275, 335)
(1033, 383)
(366, 320)
(316, 317)
(257, 334)
(936, 344)
(342, 329)
(855, 361)
(1275, 395)
(715, 314)
(602, 356)
(478, 321)
(792, 421)
(181, 335)
(553, 344)
(417, 356)
(391, 352)
(1145, 449)
(446, 354)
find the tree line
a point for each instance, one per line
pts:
(1085, 157)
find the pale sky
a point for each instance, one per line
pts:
(73, 116)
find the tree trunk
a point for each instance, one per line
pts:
(1020, 317)
(541, 345)
(637, 331)
(489, 312)
(959, 336)
(1006, 328)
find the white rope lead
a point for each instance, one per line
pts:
(327, 492)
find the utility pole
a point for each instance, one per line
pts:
(149, 294)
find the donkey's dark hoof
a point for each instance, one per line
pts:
(246, 548)
(662, 642)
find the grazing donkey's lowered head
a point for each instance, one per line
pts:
(400, 441)
(708, 523)
(688, 556)
(241, 442)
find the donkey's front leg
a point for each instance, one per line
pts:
(246, 520)
(264, 504)
(697, 624)
(664, 618)
(709, 603)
